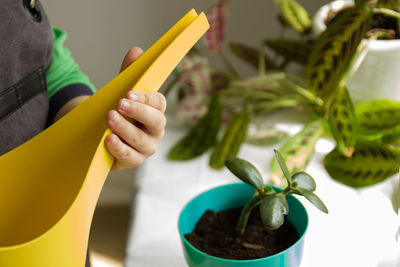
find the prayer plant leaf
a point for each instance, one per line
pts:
(217, 18)
(380, 118)
(297, 151)
(294, 15)
(246, 172)
(343, 123)
(266, 137)
(291, 49)
(202, 136)
(234, 136)
(372, 162)
(195, 72)
(313, 198)
(334, 50)
(304, 181)
(273, 209)
(250, 55)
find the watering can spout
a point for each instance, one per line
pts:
(49, 186)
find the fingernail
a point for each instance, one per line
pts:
(133, 96)
(113, 140)
(114, 117)
(125, 104)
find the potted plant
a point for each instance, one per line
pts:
(366, 136)
(377, 73)
(215, 231)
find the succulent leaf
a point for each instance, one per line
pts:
(334, 50)
(246, 172)
(304, 181)
(371, 163)
(313, 198)
(283, 166)
(273, 209)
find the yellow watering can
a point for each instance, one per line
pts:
(49, 186)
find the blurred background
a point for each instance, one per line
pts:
(100, 33)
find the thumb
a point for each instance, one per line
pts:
(130, 57)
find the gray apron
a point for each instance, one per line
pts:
(25, 54)
(26, 46)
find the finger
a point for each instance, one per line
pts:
(131, 56)
(152, 119)
(126, 157)
(132, 135)
(154, 99)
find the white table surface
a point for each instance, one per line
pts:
(361, 229)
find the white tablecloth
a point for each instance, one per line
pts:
(361, 229)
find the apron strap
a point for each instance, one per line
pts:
(17, 95)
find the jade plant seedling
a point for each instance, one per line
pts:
(273, 204)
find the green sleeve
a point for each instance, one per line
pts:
(63, 70)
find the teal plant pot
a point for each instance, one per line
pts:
(233, 196)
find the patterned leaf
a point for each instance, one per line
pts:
(294, 15)
(297, 151)
(293, 50)
(371, 163)
(217, 17)
(334, 50)
(380, 118)
(251, 55)
(195, 73)
(199, 80)
(265, 137)
(202, 136)
(343, 123)
(273, 82)
(191, 108)
(234, 136)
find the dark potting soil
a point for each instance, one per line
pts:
(380, 21)
(215, 235)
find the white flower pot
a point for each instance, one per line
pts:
(378, 76)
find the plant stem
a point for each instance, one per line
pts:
(270, 106)
(306, 94)
(228, 64)
(261, 62)
(387, 12)
(244, 215)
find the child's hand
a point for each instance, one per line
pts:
(135, 137)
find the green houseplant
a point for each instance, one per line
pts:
(246, 245)
(366, 135)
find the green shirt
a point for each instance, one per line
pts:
(63, 70)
